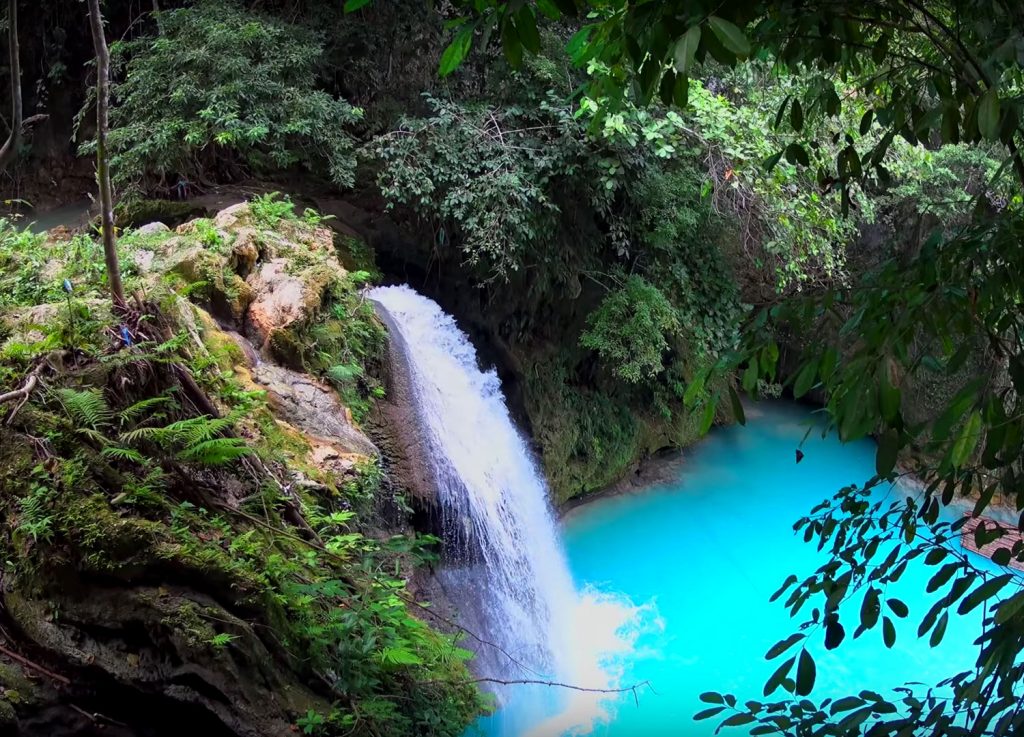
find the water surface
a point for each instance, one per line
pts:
(700, 557)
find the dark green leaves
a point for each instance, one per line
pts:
(731, 37)
(888, 632)
(796, 154)
(352, 6)
(806, 673)
(783, 645)
(796, 116)
(888, 451)
(967, 441)
(986, 591)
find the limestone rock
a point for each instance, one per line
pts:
(152, 229)
(233, 216)
(315, 410)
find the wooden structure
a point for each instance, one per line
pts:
(1012, 539)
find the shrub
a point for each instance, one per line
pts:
(629, 330)
(223, 91)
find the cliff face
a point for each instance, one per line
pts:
(195, 524)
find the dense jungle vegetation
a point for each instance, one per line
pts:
(640, 210)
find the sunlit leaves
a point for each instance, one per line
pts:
(456, 51)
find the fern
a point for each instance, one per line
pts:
(123, 454)
(215, 452)
(130, 414)
(86, 407)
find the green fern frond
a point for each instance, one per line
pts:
(141, 434)
(215, 452)
(86, 407)
(123, 454)
(130, 414)
(95, 435)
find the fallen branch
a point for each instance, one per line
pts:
(556, 684)
(97, 718)
(34, 666)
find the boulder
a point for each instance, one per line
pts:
(152, 229)
(315, 410)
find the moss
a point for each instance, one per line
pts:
(104, 540)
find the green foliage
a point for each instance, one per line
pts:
(681, 255)
(920, 71)
(270, 209)
(221, 90)
(630, 330)
(478, 175)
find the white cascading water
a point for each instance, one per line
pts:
(506, 569)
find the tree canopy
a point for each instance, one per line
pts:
(930, 74)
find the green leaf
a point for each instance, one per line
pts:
(737, 406)
(865, 122)
(988, 115)
(783, 645)
(795, 154)
(888, 632)
(708, 713)
(731, 36)
(986, 591)
(738, 720)
(456, 51)
(578, 45)
(888, 393)
(681, 92)
(967, 441)
(796, 116)
(941, 578)
(708, 419)
(1010, 608)
(778, 676)
(712, 697)
(898, 607)
(549, 8)
(352, 6)
(870, 609)
(686, 49)
(769, 163)
(806, 673)
(805, 379)
(526, 25)
(888, 452)
(511, 43)
(940, 630)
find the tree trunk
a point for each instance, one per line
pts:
(10, 147)
(102, 164)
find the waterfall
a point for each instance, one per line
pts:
(505, 560)
(505, 568)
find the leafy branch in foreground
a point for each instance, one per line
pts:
(958, 300)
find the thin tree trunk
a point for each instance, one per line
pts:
(102, 164)
(13, 142)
